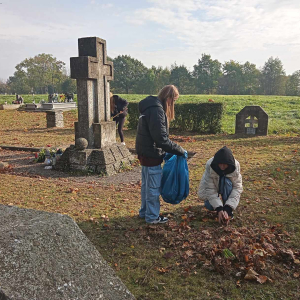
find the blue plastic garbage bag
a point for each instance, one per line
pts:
(175, 179)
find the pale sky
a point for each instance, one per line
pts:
(156, 32)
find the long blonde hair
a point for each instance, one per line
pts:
(168, 91)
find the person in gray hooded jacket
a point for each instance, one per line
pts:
(152, 141)
(221, 184)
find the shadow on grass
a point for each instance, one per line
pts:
(58, 131)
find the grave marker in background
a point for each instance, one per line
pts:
(252, 120)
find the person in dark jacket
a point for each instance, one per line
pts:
(221, 184)
(118, 109)
(152, 141)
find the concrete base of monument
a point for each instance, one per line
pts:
(106, 161)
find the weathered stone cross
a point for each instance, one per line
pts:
(93, 73)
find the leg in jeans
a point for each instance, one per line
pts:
(208, 205)
(150, 192)
(120, 123)
(227, 189)
(142, 211)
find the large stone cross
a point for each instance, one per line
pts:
(93, 73)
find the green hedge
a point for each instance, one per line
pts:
(200, 117)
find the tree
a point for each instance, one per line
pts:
(69, 86)
(293, 84)
(40, 73)
(273, 77)
(239, 79)
(182, 78)
(251, 77)
(129, 73)
(3, 87)
(232, 80)
(207, 73)
(19, 83)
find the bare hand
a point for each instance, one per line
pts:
(223, 217)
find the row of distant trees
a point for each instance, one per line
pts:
(208, 76)
(41, 74)
(45, 74)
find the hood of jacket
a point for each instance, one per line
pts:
(223, 156)
(150, 101)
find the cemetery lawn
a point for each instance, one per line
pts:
(283, 111)
(184, 259)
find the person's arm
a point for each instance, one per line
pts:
(124, 104)
(211, 190)
(237, 189)
(158, 131)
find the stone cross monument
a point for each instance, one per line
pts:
(95, 147)
(93, 73)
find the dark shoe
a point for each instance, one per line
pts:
(160, 220)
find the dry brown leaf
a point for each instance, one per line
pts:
(262, 279)
(251, 275)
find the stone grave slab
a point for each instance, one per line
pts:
(32, 106)
(10, 106)
(58, 106)
(46, 256)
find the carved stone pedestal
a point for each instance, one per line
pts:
(106, 161)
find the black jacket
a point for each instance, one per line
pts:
(152, 138)
(120, 105)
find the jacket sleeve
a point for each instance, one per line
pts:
(207, 189)
(158, 131)
(237, 188)
(124, 103)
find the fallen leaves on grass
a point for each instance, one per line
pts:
(258, 254)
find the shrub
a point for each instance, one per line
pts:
(200, 117)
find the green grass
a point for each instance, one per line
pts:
(283, 111)
(108, 214)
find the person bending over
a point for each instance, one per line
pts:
(118, 109)
(221, 185)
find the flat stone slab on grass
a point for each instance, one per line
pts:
(46, 256)
(10, 106)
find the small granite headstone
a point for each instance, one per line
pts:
(46, 256)
(252, 120)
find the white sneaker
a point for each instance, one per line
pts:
(160, 220)
(123, 143)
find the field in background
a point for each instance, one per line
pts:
(283, 111)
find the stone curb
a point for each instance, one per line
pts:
(17, 148)
(32, 149)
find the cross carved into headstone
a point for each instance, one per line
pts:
(252, 120)
(93, 73)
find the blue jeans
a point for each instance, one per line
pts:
(226, 188)
(150, 191)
